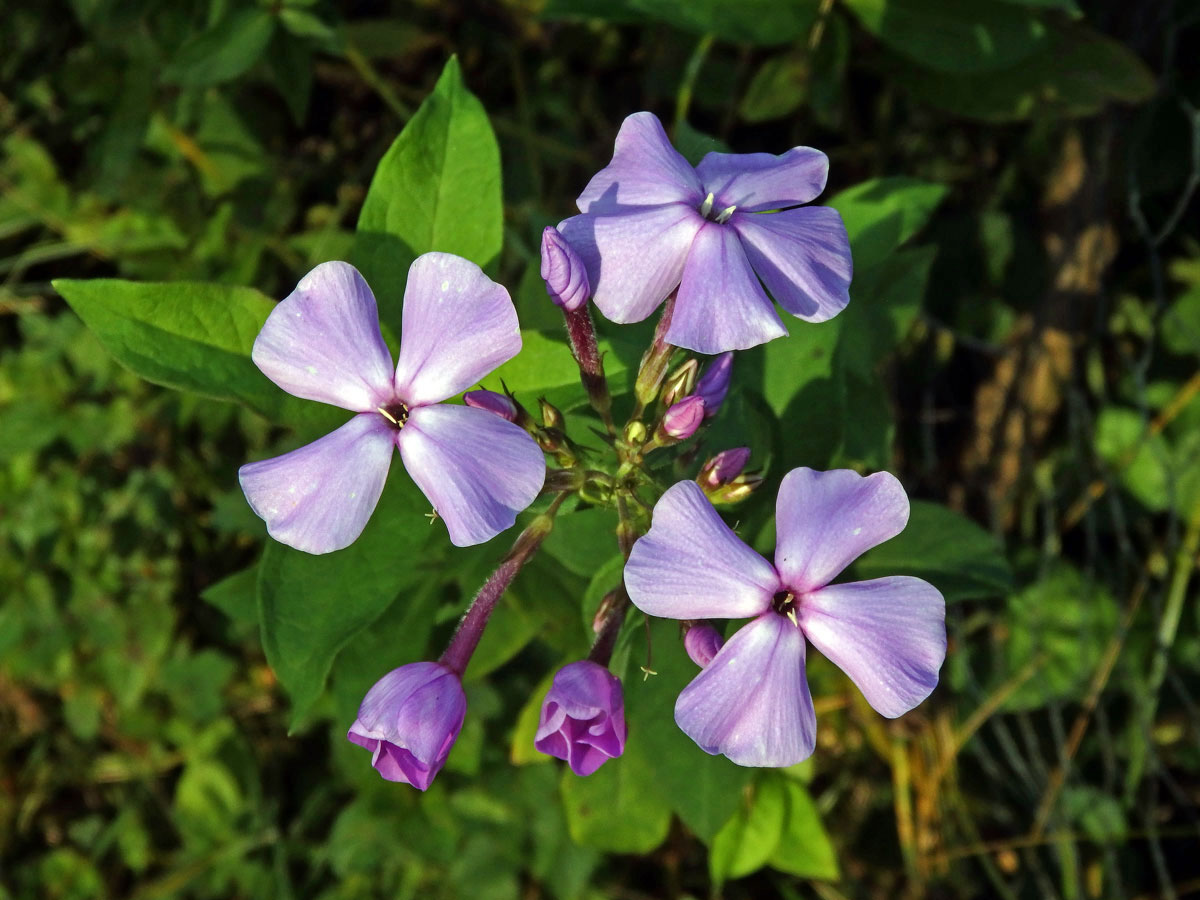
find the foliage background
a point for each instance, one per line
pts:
(1022, 348)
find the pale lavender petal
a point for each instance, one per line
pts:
(459, 325)
(754, 182)
(751, 703)
(476, 469)
(322, 341)
(803, 257)
(583, 717)
(721, 306)
(319, 497)
(645, 171)
(690, 565)
(888, 635)
(634, 260)
(826, 520)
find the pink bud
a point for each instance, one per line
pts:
(683, 419)
(563, 271)
(702, 643)
(492, 402)
(723, 468)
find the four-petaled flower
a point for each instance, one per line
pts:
(651, 224)
(751, 703)
(323, 343)
(583, 717)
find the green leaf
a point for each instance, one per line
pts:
(311, 606)
(1159, 470)
(545, 367)
(750, 837)
(1076, 74)
(948, 550)
(805, 849)
(436, 188)
(883, 213)
(751, 21)
(583, 540)
(224, 51)
(1063, 622)
(522, 751)
(959, 38)
(778, 88)
(187, 336)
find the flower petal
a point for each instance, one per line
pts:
(888, 635)
(825, 520)
(645, 171)
(322, 341)
(476, 469)
(635, 259)
(721, 306)
(803, 257)
(751, 703)
(319, 497)
(754, 182)
(690, 565)
(458, 326)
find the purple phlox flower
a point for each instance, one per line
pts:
(652, 223)
(702, 643)
(497, 404)
(714, 383)
(583, 717)
(563, 271)
(724, 467)
(409, 721)
(683, 419)
(323, 343)
(752, 703)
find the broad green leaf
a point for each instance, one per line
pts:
(1159, 470)
(436, 188)
(545, 367)
(186, 336)
(1068, 6)
(236, 595)
(882, 214)
(1076, 74)
(778, 88)
(1063, 621)
(311, 606)
(948, 550)
(959, 38)
(584, 540)
(522, 752)
(750, 837)
(224, 51)
(751, 21)
(1181, 324)
(805, 849)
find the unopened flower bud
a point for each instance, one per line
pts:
(409, 721)
(723, 468)
(680, 382)
(493, 403)
(603, 611)
(714, 384)
(736, 491)
(683, 419)
(635, 433)
(551, 417)
(563, 271)
(583, 717)
(702, 643)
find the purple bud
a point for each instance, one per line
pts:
(583, 717)
(683, 419)
(723, 468)
(563, 271)
(493, 403)
(714, 384)
(702, 643)
(409, 721)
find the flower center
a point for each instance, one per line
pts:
(784, 603)
(721, 217)
(395, 412)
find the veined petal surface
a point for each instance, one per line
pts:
(751, 703)
(690, 564)
(322, 341)
(319, 497)
(754, 182)
(888, 635)
(635, 259)
(803, 257)
(826, 520)
(721, 306)
(458, 326)
(645, 171)
(477, 469)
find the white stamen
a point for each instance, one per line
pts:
(387, 415)
(723, 215)
(706, 206)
